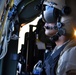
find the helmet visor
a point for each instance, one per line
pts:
(50, 14)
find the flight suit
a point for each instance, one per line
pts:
(67, 59)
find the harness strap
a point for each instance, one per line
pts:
(51, 61)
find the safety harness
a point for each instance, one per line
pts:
(51, 61)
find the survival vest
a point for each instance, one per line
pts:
(51, 61)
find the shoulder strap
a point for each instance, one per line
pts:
(55, 56)
(50, 58)
(57, 53)
(51, 61)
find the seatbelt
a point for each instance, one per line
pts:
(52, 60)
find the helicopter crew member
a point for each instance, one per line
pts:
(60, 25)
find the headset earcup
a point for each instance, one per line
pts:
(66, 10)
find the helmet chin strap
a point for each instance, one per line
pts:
(58, 34)
(61, 31)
